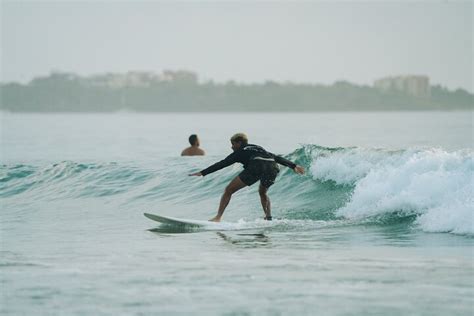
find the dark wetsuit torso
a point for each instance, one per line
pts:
(259, 164)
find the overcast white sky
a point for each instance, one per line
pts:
(318, 42)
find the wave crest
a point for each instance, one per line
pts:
(434, 184)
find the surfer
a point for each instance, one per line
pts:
(259, 164)
(194, 149)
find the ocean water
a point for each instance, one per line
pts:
(380, 224)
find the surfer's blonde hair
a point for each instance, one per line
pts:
(239, 138)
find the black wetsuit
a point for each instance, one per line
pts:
(259, 164)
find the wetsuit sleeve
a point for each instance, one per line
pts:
(284, 161)
(221, 164)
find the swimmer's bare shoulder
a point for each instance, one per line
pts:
(192, 151)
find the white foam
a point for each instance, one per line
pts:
(243, 224)
(352, 164)
(435, 184)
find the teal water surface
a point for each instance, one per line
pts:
(381, 223)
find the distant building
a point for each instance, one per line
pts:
(129, 79)
(418, 86)
(141, 78)
(179, 75)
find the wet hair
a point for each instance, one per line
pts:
(193, 139)
(240, 138)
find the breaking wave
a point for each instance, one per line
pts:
(432, 188)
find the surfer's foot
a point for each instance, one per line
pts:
(268, 218)
(215, 219)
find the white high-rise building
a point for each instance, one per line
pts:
(418, 86)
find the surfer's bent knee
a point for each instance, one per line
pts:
(230, 189)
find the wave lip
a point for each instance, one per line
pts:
(434, 184)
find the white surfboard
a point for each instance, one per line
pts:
(168, 220)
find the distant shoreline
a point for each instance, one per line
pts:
(69, 93)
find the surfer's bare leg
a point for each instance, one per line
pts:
(234, 186)
(266, 205)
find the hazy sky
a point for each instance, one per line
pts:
(318, 42)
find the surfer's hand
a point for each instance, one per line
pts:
(196, 174)
(299, 169)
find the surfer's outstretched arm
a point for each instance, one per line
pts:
(290, 164)
(217, 166)
(229, 160)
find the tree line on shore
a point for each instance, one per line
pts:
(63, 92)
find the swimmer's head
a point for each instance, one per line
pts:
(194, 140)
